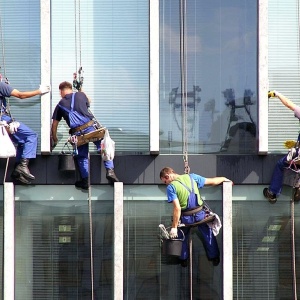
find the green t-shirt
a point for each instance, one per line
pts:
(183, 193)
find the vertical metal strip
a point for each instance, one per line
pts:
(118, 240)
(227, 242)
(263, 81)
(9, 242)
(45, 75)
(154, 76)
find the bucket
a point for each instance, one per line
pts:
(66, 162)
(172, 247)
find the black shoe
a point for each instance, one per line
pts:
(19, 177)
(216, 261)
(22, 168)
(111, 176)
(82, 184)
(296, 194)
(184, 262)
(270, 196)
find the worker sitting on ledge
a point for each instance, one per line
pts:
(80, 104)
(274, 189)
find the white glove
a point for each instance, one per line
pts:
(173, 233)
(13, 127)
(3, 123)
(45, 89)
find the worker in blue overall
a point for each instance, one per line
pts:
(81, 122)
(189, 210)
(274, 190)
(20, 134)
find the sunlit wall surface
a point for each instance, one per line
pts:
(221, 76)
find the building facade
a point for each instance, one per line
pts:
(167, 78)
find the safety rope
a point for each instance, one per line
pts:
(78, 74)
(77, 84)
(6, 80)
(183, 75)
(91, 229)
(293, 244)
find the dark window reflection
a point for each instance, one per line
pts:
(221, 75)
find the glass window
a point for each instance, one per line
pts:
(110, 41)
(284, 76)
(53, 246)
(221, 76)
(20, 60)
(262, 252)
(149, 274)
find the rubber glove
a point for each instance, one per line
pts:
(173, 233)
(272, 94)
(45, 89)
(13, 127)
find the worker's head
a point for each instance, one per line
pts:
(65, 87)
(167, 175)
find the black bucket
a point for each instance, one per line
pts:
(66, 162)
(173, 247)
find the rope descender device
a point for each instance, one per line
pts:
(78, 80)
(187, 168)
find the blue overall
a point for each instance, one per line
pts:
(278, 173)
(209, 240)
(83, 150)
(25, 138)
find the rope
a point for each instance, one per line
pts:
(3, 50)
(183, 75)
(89, 180)
(91, 231)
(293, 246)
(75, 29)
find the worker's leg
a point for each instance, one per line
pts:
(209, 242)
(82, 161)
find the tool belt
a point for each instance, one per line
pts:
(93, 136)
(191, 212)
(82, 127)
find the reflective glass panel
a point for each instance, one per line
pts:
(219, 45)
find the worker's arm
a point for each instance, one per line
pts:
(176, 213)
(285, 101)
(216, 180)
(54, 131)
(28, 94)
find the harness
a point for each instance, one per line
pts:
(194, 204)
(77, 137)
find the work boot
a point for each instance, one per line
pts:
(22, 168)
(296, 194)
(83, 183)
(215, 261)
(19, 177)
(269, 195)
(111, 176)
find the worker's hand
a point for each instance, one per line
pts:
(173, 233)
(272, 94)
(53, 142)
(13, 127)
(44, 89)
